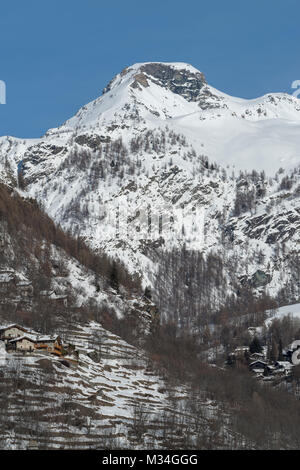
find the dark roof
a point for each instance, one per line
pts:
(257, 362)
(14, 325)
(20, 338)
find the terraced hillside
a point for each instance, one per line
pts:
(110, 397)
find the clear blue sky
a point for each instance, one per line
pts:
(58, 55)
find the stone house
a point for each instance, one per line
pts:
(23, 343)
(11, 332)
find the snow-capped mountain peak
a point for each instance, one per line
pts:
(181, 78)
(261, 133)
(159, 136)
(145, 90)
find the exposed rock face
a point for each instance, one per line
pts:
(141, 79)
(109, 85)
(208, 100)
(156, 138)
(273, 228)
(260, 279)
(182, 82)
(92, 142)
(36, 152)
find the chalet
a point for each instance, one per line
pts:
(11, 332)
(284, 366)
(241, 351)
(14, 284)
(258, 365)
(55, 298)
(23, 343)
(270, 369)
(257, 356)
(60, 300)
(24, 288)
(238, 357)
(50, 344)
(31, 342)
(7, 282)
(279, 373)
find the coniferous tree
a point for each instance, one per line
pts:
(114, 278)
(147, 293)
(273, 351)
(280, 356)
(255, 346)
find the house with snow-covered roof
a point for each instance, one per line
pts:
(22, 343)
(31, 342)
(259, 364)
(284, 366)
(241, 350)
(24, 288)
(52, 344)
(7, 281)
(12, 283)
(256, 356)
(12, 331)
(53, 297)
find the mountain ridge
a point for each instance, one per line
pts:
(156, 173)
(178, 95)
(145, 143)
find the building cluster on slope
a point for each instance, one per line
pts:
(259, 364)
(12, 284)
(16, 289)
(18, 338)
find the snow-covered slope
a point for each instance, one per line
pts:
(94, 404)
(288, 310)
(262, 133)
(160, 144)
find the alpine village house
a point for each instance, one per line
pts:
(18, 338)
